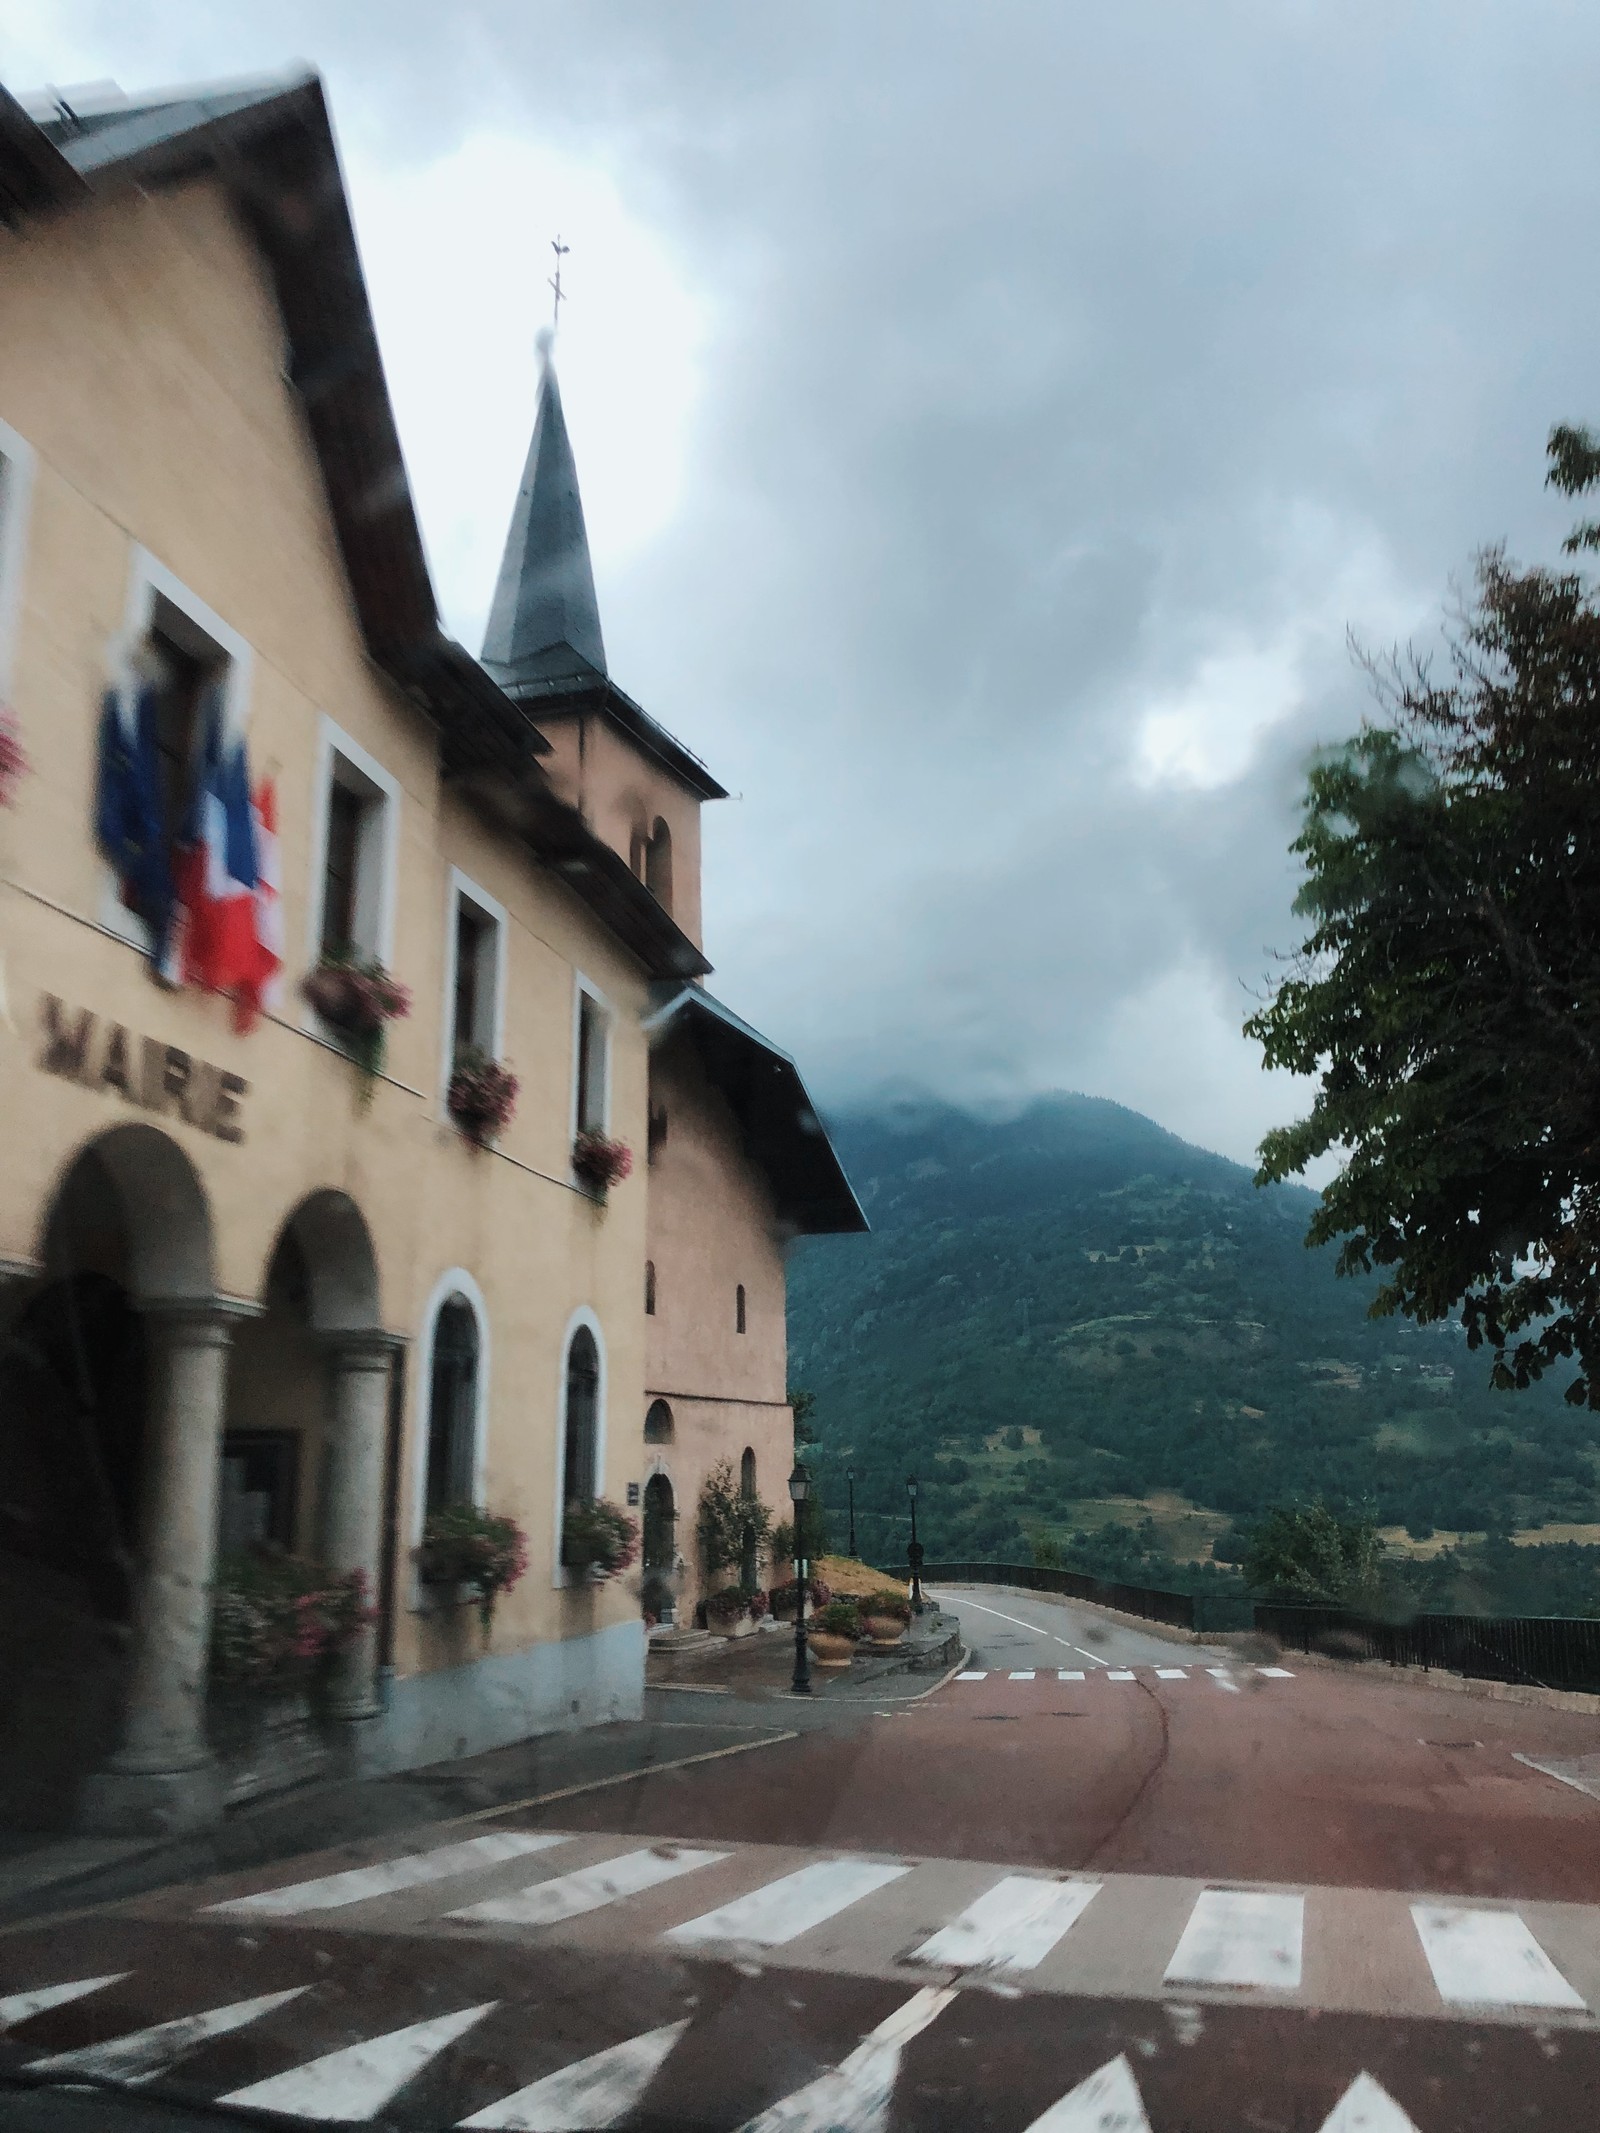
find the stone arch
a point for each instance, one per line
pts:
(330, 1233)
(165, 1219)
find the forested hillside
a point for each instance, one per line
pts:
(1074, 1320)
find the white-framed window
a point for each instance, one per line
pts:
(452, 1398)
(475, 972)
(581, 1449)
(591, 1059)
(177, 649)
(355, 845)
(16, 493)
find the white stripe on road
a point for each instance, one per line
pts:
(854, 2096)
(1120, 1673)
(1033, 1629)
(546, 1903)
(358, 1884)
(1012, 1926)
(1067, 1675)
(1488, 1959)
(974, 1674)
(1172, 1673)
(786, 1908)
(592, 2094)
(347, 2086)
(1278, 1673)
(1224, 1679)
(23, 2006)
(144, 2054)
(1023, 1673)
(1108, 2102)
(1366, 2108)
(1240, 1937)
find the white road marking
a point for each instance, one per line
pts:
(1033, 1629)
(1023, 1673)
(23, 2006)
(975, 1674)
(1172, 1673)
(1488, 1959)
(1108, 2102)
(854, 2096)
(546, 1903)
(591, 2094)
(1224, 1679)
(143, 2054)
(788, 1907)
(1120, 1673)
(350, 2085)
(1067, 1675)
(1366, 2108)
(359, 1884)
(1012, 1926)
(1275, 1673)
(1581, 1772)
(1240, 1937)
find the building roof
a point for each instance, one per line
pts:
(783, 1134)
(270, 143)
(544, 621)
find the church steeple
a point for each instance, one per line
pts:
(544, 623)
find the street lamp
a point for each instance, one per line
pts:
(914, 1552)
(799, 1490)
(850, 1484)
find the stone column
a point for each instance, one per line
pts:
(162, 1778)
(352, 1508)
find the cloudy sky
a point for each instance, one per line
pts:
(991, 417)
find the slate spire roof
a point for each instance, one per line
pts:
(544, 623)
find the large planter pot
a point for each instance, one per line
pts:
(264, 1741)
(829, 1650)
(883, 1632)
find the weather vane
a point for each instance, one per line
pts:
(561, 250)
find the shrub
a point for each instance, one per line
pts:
(276, 1621)
(598, 1536)
(726, 1519)
(785, 1598)
(840, 1618)
(893, 1606)
(462, 1545)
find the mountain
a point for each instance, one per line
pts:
(1072, 1322)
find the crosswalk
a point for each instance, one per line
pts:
(1227, 1678)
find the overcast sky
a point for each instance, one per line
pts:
(991, 417)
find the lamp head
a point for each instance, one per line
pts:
(799, 1484)
(911, 1487)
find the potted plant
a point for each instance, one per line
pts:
(600, 1162)
(725, 1610)
(276, 1625)
(462, 1545)
(786, 1597)
(13, 756)
(598, 1537)
(357, 997)
(884, 1617)
(833, 1640)
(482, 1098)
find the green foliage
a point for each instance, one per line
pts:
(1305, 1552)
(803, 1404)
(727, 1521)
(276, 1620)
(1448, 992)
(840, 1618)
(464, 1545)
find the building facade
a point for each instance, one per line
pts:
(256, 1292)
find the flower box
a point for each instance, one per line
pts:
(483, 1550)
(601, 1162)
(598, 1538)
(482, 1097)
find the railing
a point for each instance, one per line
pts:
(1176, 1609)
(1553, 1652)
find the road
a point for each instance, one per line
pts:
(1100, 1881)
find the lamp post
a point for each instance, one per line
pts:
(850, 1484)
(799, 1490)
(914, 1552)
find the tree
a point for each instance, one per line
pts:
(1448, 992)
(728, 1522)
(1305, 1552)
(804, 1404)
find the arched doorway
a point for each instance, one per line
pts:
(749, 1551)
(659, 1591)
(580, 1453)
(124, 1241)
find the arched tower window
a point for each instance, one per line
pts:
(650, 1288)
(658, 864)
(738, 1308)
(658, 1423)
(747, 1475)
(452, 1405)
(583, 1419)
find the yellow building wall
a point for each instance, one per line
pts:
(141, 359)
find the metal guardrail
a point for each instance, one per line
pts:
(1176, 1609)
(1548, 1651)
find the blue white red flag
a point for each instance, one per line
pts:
(225, 902)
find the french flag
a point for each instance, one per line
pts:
(230, 936)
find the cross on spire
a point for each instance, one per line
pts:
(561, 250)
